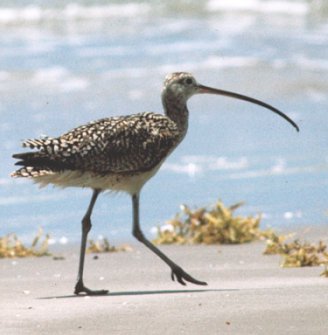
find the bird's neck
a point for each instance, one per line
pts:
(176, 109)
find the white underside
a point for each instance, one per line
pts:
(130, 183)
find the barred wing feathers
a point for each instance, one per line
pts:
(113, 145)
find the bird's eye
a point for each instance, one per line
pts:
(188, 81)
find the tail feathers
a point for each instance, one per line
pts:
(30, 171)
(31, 158)
(36, 143)
(36, 164)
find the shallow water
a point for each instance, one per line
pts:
(63, 64)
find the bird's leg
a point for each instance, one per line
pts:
(86, 226)
(177, 272)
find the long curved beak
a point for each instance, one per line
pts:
(210, 90)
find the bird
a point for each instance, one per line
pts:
(120, 153)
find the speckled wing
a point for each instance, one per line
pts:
(113, 145)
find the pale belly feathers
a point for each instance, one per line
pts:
(127, 182)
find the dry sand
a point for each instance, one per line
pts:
(247, 293)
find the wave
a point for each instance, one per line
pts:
(275, 170)
(237, 168)
(210, 63)
(52, 11)
(72, 11)
(60, 78)
(270, 7)
(312, 64)
(24, 199)
(196, 165)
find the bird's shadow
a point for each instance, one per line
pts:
(137, 293)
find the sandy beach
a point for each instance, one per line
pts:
(247, 293)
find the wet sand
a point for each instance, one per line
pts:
(247, 293)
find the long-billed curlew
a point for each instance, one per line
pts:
(120, 154)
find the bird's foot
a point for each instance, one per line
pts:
(181, 276)
(80, 288)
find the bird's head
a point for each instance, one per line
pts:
(180, 86)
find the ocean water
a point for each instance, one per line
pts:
(66, 63)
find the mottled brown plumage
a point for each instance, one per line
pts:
(123, 144)
(119, 154)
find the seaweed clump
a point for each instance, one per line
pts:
(12, 247)
(220, 225)
(216, 225)
(298, 253)
(103, 246)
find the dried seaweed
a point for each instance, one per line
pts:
(324, 273)
(102, 246)
(217, 225)
(298, 253)
(275, 243)
(12, 247)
